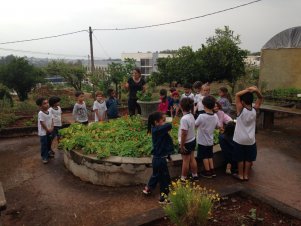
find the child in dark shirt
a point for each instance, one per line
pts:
(112, 104)
(162, 148)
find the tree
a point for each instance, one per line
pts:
(119, 72)
(73, 73)
(222, 57)
(184, 66)
(19, 75)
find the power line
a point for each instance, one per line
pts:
(47, 37)
(99, 43)
(45, 53)
(134, 28)
(177, 21)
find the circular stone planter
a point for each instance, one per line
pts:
(148, 107)
(121, 171)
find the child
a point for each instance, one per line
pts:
(187, 141)
(170, 100)
(245, 150)
(100, 107)
(197, 86)
(225, 100)
(199, 108)
(187, 92)
(56, 113)
(112, 105)
(80, 112)
(175, 107)
(227, 145)
(206, 124)
(45, 128)
(163, 106)
(162, 148)
(223, 118)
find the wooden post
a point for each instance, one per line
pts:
(91, 49)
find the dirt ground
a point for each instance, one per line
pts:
(40, 194)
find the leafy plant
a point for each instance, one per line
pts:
(253, 215)
(125, 136)
(144, 96)
(190, 205)
(7, 119)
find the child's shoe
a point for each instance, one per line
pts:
(228, 171)
(206, 174)
(146, 191)
(195, 178)
(45, 161)
(213, 174)
(51, 154)
(163, 200)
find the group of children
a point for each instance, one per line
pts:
(50, 118)
(201, 115)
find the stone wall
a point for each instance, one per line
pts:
(121, 171)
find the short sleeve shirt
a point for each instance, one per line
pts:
(134, 87)
(80, 112)
(187, 123)
(206, 124)
(45, 118)
(101, 107)
(56, 116)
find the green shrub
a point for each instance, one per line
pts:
(190, 205)
(7, 119)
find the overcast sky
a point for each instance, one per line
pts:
(255, 23)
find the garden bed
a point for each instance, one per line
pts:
(238, 210)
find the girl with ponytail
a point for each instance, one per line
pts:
(162, 149)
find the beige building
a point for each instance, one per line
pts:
(146, 61)
(280, 65)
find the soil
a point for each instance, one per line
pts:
(236, 210)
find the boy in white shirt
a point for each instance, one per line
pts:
(186, 137)
(206, 123)
(56, 113)
(100, 107)
(45, 128)
(245, 151)
(80, 112)
(187, 92)
(199, 107)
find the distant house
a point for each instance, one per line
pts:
(56, 79)
(146, 61)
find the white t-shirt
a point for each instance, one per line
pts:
(206, 124)
(47, 119)
(56, 115)
(197, 98)
(187, 123)
(101, 107)
(80, 112)
(191, 96)
(200, 106)
(244, 132)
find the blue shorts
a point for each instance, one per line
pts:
(247, 153)
(55, 132)
(190, 147)
(205, 152)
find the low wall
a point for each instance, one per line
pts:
(122, 171)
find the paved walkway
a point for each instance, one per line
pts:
(50, 195)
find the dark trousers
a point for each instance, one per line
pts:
(227, 146)
(160, 175)
(45, 146)
(133, 105)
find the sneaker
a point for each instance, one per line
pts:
(45, 161)
(195, 178)
(228, 171)
(213, 174)
(146, 190)
(206, 174)
(51, 154)
(183, 181)
(163, 200)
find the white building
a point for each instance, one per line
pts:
(253, 61)
(146, 61)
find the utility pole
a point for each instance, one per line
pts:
(91, 49)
